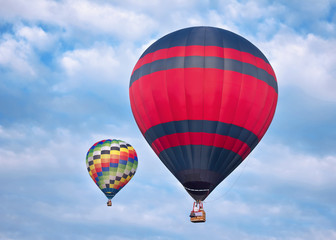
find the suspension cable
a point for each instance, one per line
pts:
(231, 186)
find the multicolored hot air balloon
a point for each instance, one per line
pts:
(203, 98)
(111, 165)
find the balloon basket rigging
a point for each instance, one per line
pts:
(197, 214)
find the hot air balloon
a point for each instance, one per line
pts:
(203, 98)
(111, 165)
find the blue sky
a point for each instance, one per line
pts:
(64, 75)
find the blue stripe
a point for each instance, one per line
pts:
(205, 62)
(205, 36)
(114, 165)
(124, 162)
(205, 126)
(200, 157)
(105, 169)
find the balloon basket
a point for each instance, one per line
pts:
(197, 215)
(109, 203)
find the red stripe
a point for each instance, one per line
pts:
(199, 138)
(123, 155)
(131, 153)
(135, 109)
(206, 51)
(104, 165)
(217, 95)
(269, 118)
(114, 159)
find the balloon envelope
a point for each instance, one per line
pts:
(203, 98)
(111, 165)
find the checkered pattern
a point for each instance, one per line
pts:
(111, 164)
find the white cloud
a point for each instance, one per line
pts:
(97, 65)
(109, 19)
(308, 12)
(283, 166)
(32, 10)
(306, 62)
(12, 133)
(36, 37)
(19, 52)
(30, 149)
(138, 204)
(101, 59)
(25, 159)
(16, 55)
(88, 16)
(133, 213)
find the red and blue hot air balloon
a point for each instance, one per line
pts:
(203, 98)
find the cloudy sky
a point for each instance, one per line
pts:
(65, 67)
